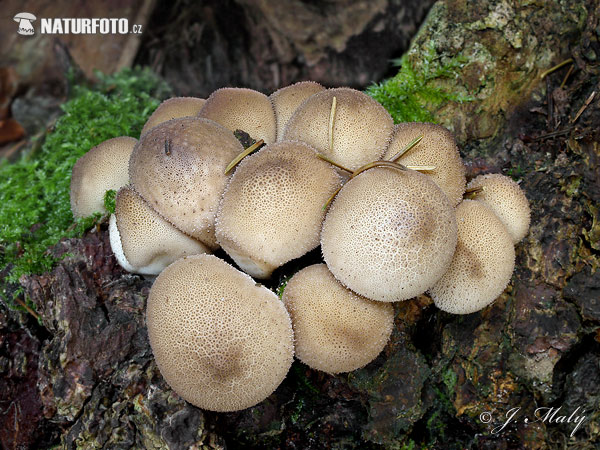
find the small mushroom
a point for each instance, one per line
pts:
(286, 100)
(389, 234)
(336, 330)
(174, 108)
(221, 341)
(103, 168)
(482, 265)
(178, 168)
(242, 109)
(343, 124)
(503, 196)
(437, 148)
(272, 209)
(142, 241)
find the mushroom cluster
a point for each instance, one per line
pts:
(388, 204)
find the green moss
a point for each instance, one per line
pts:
(109, 200)
(35, 211)
(414, 95)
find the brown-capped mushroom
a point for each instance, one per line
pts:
(436, 148)
(343, 124)
(178, 167)
(103, 168)
(389, 234)
(482, 264)
(142, 241)
(336, 330)
(504, 196)
(272, 208)
(221, 341)
(242, 109)
(174, 108)
(286, 100)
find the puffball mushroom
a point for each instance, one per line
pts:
(142, 241)
(336, 330)
(102, 168)
(174, 108)
(178, 168)
(286, 100)
(482, 265)
(503, 196)
(242, 109)
(272, 208)
(221, 341)
(437, 148)
(389, 234)
(360, 128)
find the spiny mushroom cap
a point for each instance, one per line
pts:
(503, 196)
(272, 209)
(361, 128)
(437, 148)
(482, 265)
(336, 330)
(144, 242)
(242, 109)
(178, 168)
(103, 168)
(286, 100)
(174, 108)
(221, 341)
(389, 234)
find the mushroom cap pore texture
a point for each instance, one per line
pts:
(389, 235)
(242, 109)
(286, 100)
(362, 128)
(272, 209)
(102, 168)
(482, 265)
(173, 108)
(221, 341)
(148, 242)
(437, 148)
(178, 167)
(505, 197)
(336, 330)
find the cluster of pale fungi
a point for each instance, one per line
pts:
(389, 206)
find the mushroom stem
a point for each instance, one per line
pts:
(471, 193)
(242, 155)
(410, 145)
(330, 161)
(331, 119)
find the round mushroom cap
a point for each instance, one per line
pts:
(503, 196)
(144, 242)
(242, 109)
(437, 148)
(336, 330)
(178, 167)
(103, 168)
(389, 234)
(482, 265)
(221, 341)
(272, 209)
(174, 108)
(361, 127)
(286, 100)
